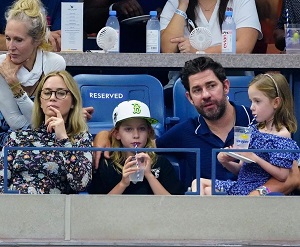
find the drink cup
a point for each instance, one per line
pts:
(242, 137)
(138, 176)
(292, 38)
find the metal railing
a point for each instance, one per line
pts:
(91, 149)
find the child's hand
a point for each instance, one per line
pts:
(145, 161)
(223, 157)
(128, 168)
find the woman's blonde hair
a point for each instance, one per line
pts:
(33, 14)
(275, 85)
(119, 157)
(75, 123)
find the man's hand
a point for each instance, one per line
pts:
(128, 8)
(87, 112)
(101, 140)
(292, 182)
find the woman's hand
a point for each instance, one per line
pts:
(9, 70)
(87, 112)
(184, 45)
(57, 124)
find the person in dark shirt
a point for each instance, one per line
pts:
(290, 13)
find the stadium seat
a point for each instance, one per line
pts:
(183, 109)
(105, 92)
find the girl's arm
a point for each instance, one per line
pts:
(279, 173)
(229, 163)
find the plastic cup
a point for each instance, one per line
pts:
(242, 137)
(292, 38)
(138, 176)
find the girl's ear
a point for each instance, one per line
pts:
(115, 134)
(277, 102)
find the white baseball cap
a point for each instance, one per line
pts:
(132, 109)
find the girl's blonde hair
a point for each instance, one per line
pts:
(119, 157)
(33, 14)
(275, 85)
(75, 123)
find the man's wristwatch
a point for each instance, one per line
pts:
(263, 190)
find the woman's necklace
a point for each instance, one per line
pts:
(207, 9)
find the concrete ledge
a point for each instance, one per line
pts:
(101, 220)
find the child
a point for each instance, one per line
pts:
(132, 128)
(272, 104)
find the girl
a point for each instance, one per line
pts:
(132, 128)
(272, 104)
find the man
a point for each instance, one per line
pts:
(207, 88)
(53, 9)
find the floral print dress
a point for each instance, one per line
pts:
(47, 171)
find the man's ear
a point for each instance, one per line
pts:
(187, 94)
(226, 86)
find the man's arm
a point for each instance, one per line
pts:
(292, 182)
(2, 43)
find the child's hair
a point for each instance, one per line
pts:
(33, 14)
(275, 85)
(75, 123)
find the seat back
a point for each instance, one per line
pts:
(183, 109)
(105, 92)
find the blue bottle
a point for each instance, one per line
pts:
(228, 34)
(153, 34)
(113, 22)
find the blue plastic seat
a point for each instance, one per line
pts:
(183, 109)
(105, 92)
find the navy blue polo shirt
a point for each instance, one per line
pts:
(194, 133)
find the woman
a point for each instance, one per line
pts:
(26, 62)
(57, 122)
(210, 14)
